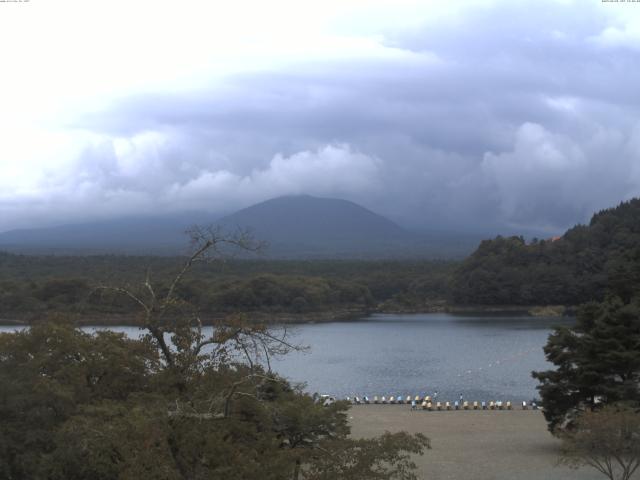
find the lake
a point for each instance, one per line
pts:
(481, 357)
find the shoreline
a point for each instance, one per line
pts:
(129, 320)
(288, 318)
(524, 310)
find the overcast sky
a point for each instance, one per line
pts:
(466, 115)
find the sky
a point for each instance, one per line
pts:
(487, 115)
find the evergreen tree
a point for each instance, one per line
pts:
(597, 361)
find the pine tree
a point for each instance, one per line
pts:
(597, 360)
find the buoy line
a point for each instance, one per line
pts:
(499, 362)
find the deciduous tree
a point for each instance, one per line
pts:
(607, 440)
(179, 403)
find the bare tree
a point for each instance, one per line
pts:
(176, 327)
(607, 440)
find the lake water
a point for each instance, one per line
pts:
(480, 357)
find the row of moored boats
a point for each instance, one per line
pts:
(428, 403)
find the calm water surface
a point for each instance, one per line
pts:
(480, 357)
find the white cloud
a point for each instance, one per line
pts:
(333, 170)
(624, 28)
(141, 175)
(547, 176)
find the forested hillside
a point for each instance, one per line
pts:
(582, 265)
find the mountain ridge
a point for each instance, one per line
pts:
(295, 226)
(331, 218)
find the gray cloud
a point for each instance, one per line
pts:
(507, 117)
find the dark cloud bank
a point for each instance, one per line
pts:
(510, 118)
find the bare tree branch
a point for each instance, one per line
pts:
(128, 293)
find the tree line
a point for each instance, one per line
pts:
(68, 284)
(581, 266)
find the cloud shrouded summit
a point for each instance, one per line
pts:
(490, 115)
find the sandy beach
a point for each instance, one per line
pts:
(474, 445)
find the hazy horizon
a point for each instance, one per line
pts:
(204, 218)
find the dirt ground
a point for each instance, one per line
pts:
(474, 445)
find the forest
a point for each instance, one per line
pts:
(583, 265)
(33, 285)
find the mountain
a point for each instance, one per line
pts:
(307, 226)
(302, 226)
(293, 226)
(584, 264)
